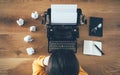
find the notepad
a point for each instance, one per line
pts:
(90, 49)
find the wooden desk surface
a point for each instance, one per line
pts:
(13, 56)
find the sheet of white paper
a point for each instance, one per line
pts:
(90, 49)
(65, 14)
(87, 47)
(66, 18)
(64, 8)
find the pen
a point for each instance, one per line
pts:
(99, 49)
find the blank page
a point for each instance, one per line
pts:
(70, 8)
(64, 14)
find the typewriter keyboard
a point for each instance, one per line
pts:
(71, 45)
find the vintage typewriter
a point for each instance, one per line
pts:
(62, 22)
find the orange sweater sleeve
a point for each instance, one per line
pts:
(82, 72)
(39, 68)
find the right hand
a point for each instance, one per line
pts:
(46, 60)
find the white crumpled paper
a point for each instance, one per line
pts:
(30, 51)
(35, 15)
(20, 22)
(28, 38)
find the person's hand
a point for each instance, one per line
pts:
(45, 61)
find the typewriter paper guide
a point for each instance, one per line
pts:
(64, 14)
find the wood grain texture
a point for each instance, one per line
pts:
(13, 57)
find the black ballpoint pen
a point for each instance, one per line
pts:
(99, 49)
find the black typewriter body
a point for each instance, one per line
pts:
(61, 36)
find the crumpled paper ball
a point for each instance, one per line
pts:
(20, 22)
(35, 15)
(30, 51)
(28, 38)
(33, 28)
